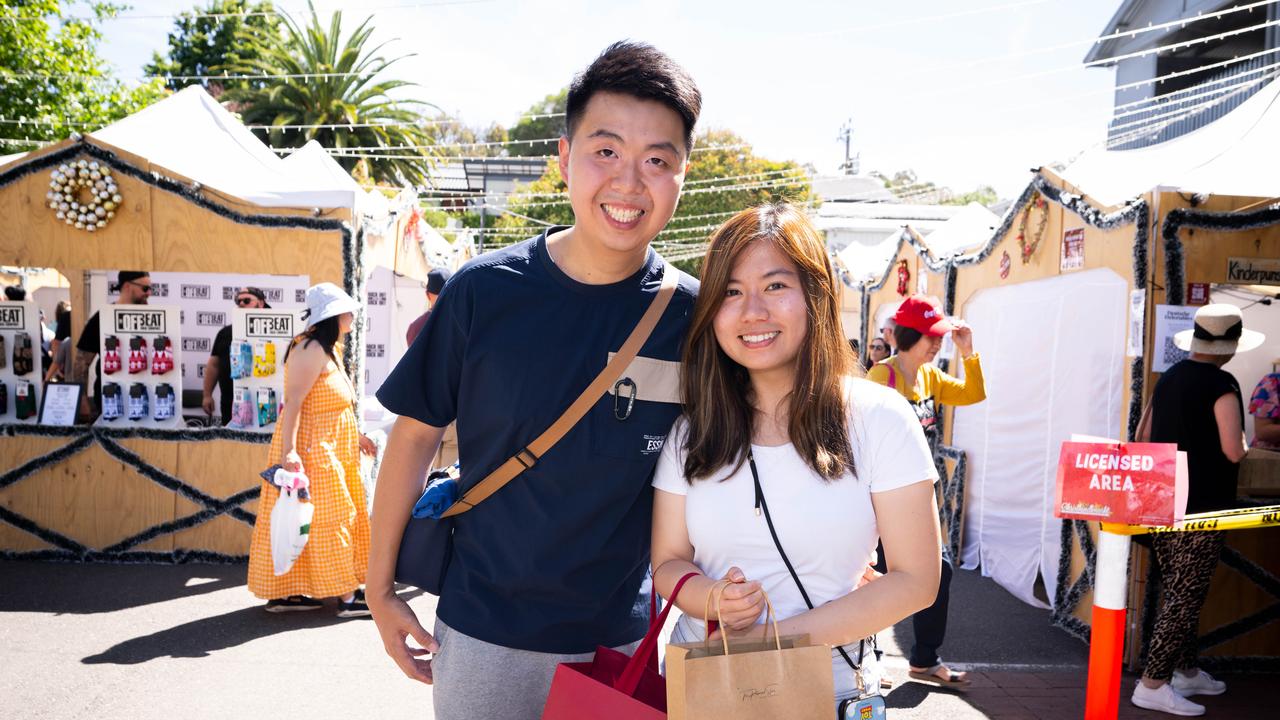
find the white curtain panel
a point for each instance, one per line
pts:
(1053, 360)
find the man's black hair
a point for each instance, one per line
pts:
(125, 276)
(641, 71)
(14, 293)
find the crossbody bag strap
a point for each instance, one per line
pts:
(762, 505)
(531, 453)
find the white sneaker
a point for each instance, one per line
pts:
(1164, 699)
(1202, 683)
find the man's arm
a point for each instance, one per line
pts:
(404, 468)
(211, 369)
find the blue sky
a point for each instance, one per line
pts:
(940, 87)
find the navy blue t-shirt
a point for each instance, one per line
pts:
(552, 562)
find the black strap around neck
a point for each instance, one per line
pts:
(762, 505)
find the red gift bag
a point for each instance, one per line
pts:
(613, 685)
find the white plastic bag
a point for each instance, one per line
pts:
(290, 521)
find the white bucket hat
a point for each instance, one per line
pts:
(327, 300)
(1219, 330)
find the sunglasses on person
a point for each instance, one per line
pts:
(879, 346)
(144, 288)
(245, 300)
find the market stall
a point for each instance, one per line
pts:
(184, 191)
(1074, 301)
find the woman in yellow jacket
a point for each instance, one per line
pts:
(921, 324)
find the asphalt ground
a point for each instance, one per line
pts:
(131, 642)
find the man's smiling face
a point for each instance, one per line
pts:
(624, 166)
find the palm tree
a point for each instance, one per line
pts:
(321, 79)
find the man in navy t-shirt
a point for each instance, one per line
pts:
(550, 566)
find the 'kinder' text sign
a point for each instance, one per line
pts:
(1127, 483)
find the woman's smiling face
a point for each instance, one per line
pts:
(763, 318)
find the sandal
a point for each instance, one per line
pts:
(941, 675)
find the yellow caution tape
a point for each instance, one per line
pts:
(1238, 519)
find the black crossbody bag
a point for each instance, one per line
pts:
(869, 703)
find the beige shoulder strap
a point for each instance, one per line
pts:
(529, 456)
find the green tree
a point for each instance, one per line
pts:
(532, 127)
(454, 138)
(321, 78)
(51, 73)
(983, 195)
(720, 182)
(205, 41)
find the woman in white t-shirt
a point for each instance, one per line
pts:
(769, 383)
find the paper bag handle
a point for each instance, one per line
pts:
(770, 618)
(629, 679)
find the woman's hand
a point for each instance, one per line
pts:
(963, 337)
(740, 602)
(367, 446)
(867, 576)
(292, 462)
(396, 623)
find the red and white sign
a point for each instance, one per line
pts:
(1197, 293)
(1073, 249)
(1126, 483)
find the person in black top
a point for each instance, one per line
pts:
(135, 288)
(217, 371)
(1197, 405)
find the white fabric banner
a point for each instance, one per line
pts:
(1053, 359)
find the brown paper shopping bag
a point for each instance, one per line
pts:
(769, 678)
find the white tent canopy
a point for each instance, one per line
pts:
(1235, 155)
(189, 133)
(968, 228)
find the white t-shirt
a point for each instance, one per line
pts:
(828, 528)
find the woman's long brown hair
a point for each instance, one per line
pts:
(716, 391)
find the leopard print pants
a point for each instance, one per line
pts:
(1186, 561)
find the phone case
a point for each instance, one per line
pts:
(241, 360)
(242, 408)
(138, 401)
(24, 400)
(112, 402)
(871, 707)
(165, 405)
(162, 357)
(264, 359)
(137, 356)
(111, 355)
(22, 357)
(4, 399)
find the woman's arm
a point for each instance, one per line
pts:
(55, 367)
(1226, 410)
(305, 363)
(1144, 425)
(1266, 430)
(672, 556)
(953, 391)
(908, 522)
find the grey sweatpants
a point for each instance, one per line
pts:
(475, 679)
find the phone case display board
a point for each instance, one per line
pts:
(259, 339)
(141, 351)
(21, 363)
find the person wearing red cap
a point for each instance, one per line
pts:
(919, 326)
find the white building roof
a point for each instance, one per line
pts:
(1235, 155)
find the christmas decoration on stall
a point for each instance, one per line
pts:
(904, 279)
(84, 194)
(1006, 265)
(1029, 247)
(412, 233)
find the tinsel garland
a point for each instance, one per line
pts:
(1175, 264)
(126, 433)
(1067, 596)
(953, 487)
(70, 550)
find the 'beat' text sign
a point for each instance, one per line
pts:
(141, 320)
(1126, 483)
(13, 316)
(270, 325)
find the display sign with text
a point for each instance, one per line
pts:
(1126, 483)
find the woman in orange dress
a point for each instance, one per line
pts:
(319, 437)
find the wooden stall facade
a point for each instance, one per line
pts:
(167, 222)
